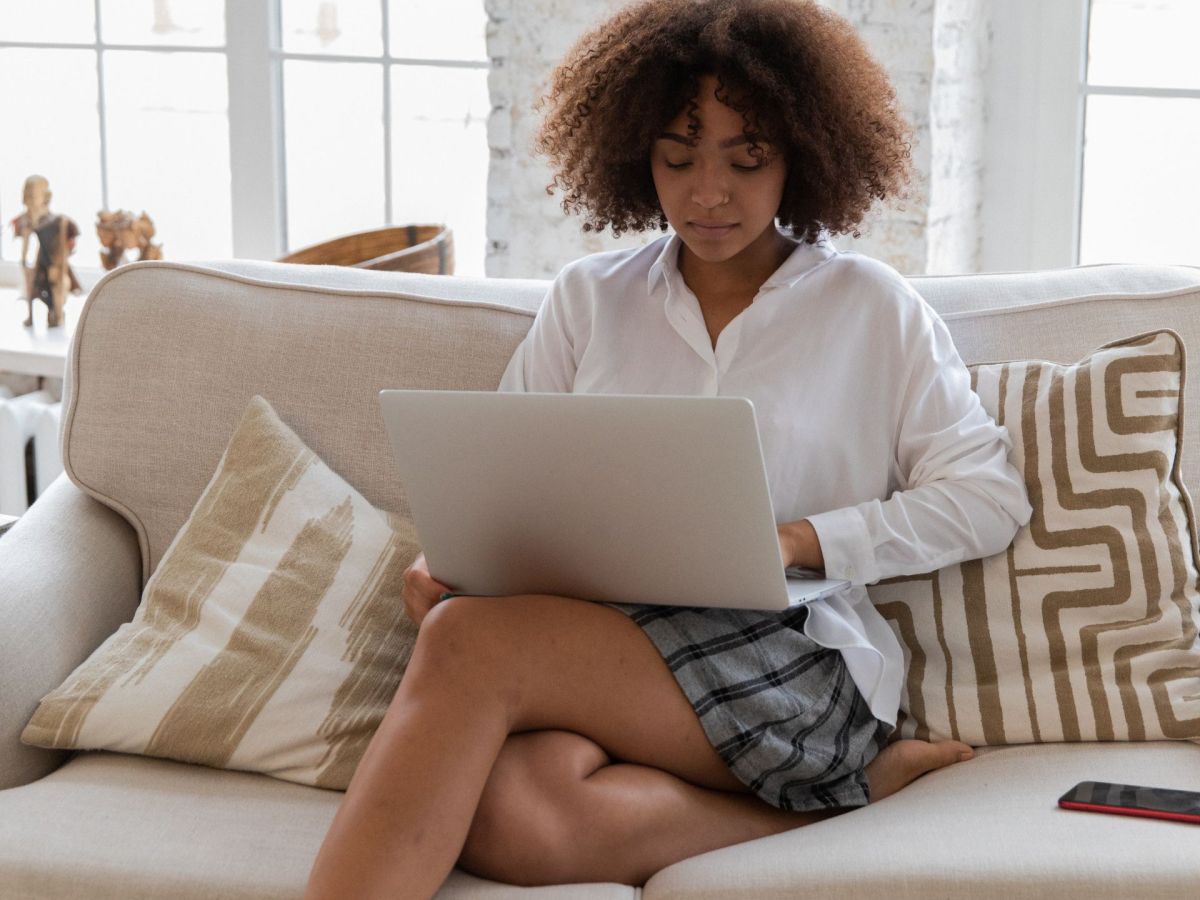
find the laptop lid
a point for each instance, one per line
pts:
(624, 498)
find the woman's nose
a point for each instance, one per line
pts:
(709, 190)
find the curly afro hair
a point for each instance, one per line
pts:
(800, 76)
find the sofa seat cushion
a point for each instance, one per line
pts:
(986, 828)
(110, 825)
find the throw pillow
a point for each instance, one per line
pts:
(1085, 628)
(271, 637)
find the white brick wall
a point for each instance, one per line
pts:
(934, 50)
(529, 236)
(958, 117)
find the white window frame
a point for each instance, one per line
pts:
(275, 58)
(256, 147)
(1033, 164)
(254, 63)
(1037, 103)
(10, 275)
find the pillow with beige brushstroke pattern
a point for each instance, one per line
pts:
(1085, 628)
(270, 638)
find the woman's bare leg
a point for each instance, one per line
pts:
(557, 809)
(623, 822)
(485, 668)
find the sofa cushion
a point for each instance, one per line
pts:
(271, 638)
(1085, 628)
(985, 829)
(107, 826)
(321, 341)
(166, 356)
(1062, 314)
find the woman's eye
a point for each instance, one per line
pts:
(740, 168)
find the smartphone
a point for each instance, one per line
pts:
(1133, 800)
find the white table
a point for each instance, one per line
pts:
(38, 350)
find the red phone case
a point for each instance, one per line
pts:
(1097, 802)
(1126, 811)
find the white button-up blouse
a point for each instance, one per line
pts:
(868, 423)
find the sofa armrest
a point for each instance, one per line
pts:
(70, 574)
(7, 522)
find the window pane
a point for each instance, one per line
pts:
(168, 147)
(61, 21)
(346, 27)
(199, 23)
(1144, 43)
(54, 132)
(437, 29)
(440, 155)
(1139, 190)
(333, 122)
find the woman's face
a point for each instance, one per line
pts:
(717, 197)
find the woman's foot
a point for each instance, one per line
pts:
(904, 761)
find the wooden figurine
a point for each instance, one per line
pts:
(51, 277)
(120, 231)
(36, 197)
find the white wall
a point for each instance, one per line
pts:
(529, 236)
(1035, 123)
(936, 52)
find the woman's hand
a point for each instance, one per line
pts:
(421, 591)
(800, 546)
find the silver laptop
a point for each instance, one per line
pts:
(625, 498)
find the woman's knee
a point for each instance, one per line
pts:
(456, 638)
(524, 829)
(452, 622)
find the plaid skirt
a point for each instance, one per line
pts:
(779, 709)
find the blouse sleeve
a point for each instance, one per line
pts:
(545, 359)
(962, 498)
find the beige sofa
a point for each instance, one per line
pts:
(164, 361)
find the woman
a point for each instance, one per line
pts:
(541, 739)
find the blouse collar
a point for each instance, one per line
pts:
(800, 261)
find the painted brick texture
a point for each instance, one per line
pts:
(934, 50)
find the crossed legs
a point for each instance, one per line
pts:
(539, 739)
(544, 818)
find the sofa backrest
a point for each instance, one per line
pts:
(166, 356)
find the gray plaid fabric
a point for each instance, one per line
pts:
(781, 710)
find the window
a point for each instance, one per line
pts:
(1142, 133)
(118, 104)
(1094, 121)
(248, 127)
(385, 117)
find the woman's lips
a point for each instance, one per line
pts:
(712, 231)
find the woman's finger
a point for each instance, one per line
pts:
(419, 571)
(421, 590)
(418, 604)
(428, 587)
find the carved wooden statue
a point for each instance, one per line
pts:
(120, 231)
(50, 279)
(36, 197)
